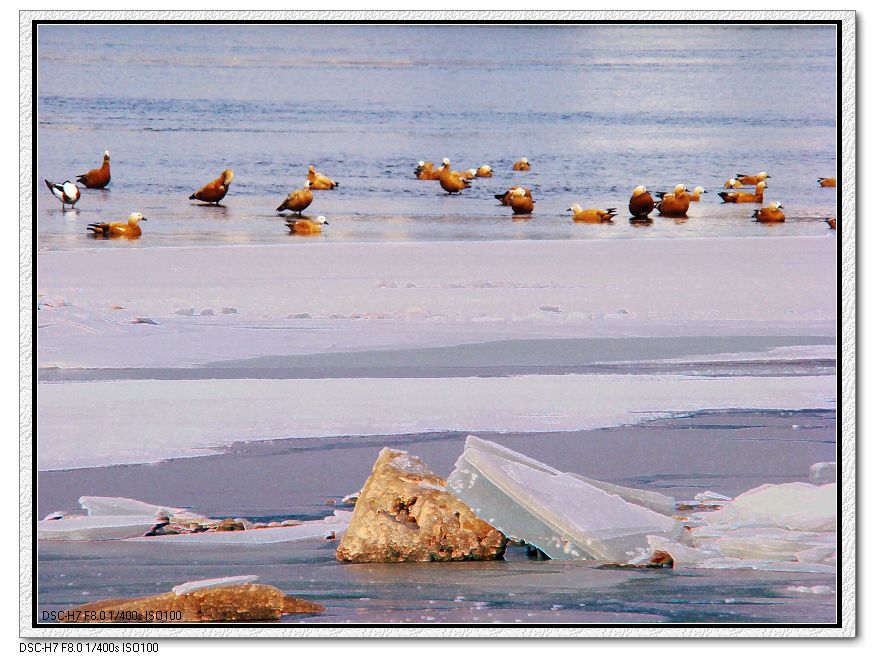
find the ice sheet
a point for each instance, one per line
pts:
(165, 419)
(303, 299)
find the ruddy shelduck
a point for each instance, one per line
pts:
(675, 204)
(425, 171)
(697, 193)
(744, 179)
(128, 229)
(641, 204)
(504, 197)
(745, 197)
(484, 171)
(591, 215)
(774, 212)
(298, 200)
(215, 191)
(67, 193)
(319, 181)
(831, 222)
(827, 182)
(732, 184)
(450, 180)
(521, 202)
(522, 164)
(97, 178)
(307, 226)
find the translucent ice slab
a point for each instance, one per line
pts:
(566, 516)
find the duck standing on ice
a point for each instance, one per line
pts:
(97, 179)
(297, 200)
(66, 192)
(215, 191)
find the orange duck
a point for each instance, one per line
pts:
(319, 181)
(752, 180)
(504, 197)
(774, 212)
(216, 190)
(298, 200)
(827, 182)
(641, 204)
(129, 229)
(96, 179)
(425, 171)
(521, 202)
(675, 204)
(592, 215)
(522, 164)
(451, 181)
(306, 226)
(745, 197)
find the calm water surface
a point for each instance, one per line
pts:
(597, 109)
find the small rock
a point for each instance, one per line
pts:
(208, 311)
(229, 310)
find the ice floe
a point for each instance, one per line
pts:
(779, 527)
(566, 516)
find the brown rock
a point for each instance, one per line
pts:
(404, 514)
(229, 525)
(247, 602)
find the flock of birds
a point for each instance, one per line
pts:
(518, 198)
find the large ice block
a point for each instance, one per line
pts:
(565, 515)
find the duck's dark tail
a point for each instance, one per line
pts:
(98, 229)
(724, 196)
(49, 184)
(193, 196)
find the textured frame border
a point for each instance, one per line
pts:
(847, 434)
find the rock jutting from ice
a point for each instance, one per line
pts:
(199, 601)
(404, 514)
(566, 516)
